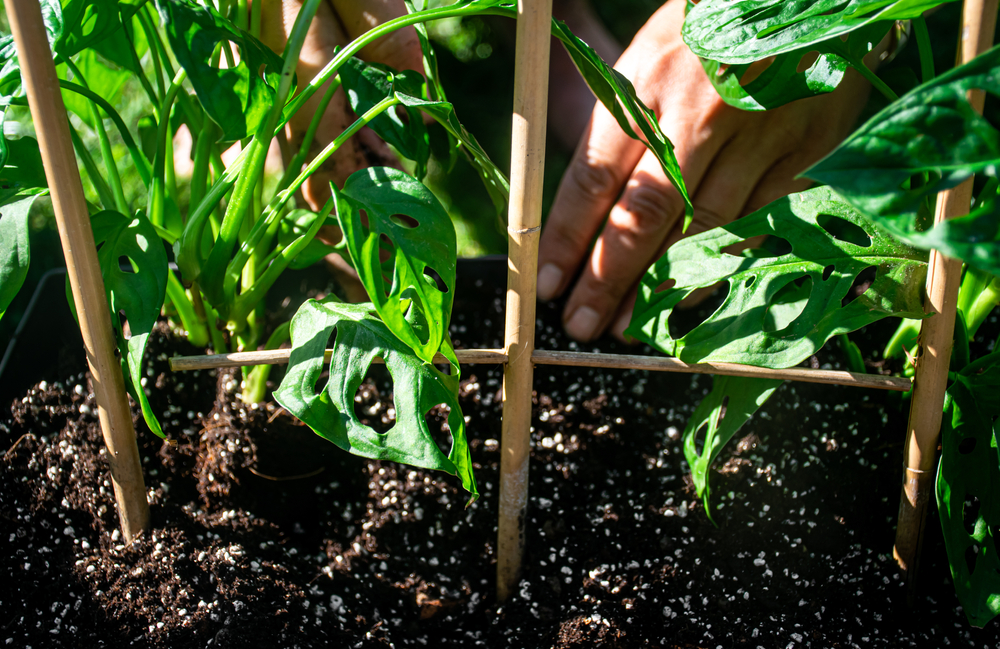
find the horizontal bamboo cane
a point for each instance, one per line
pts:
(581, 359)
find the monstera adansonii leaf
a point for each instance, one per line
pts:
(731, 36)
(928, 141)
(137, 292)
(15, 250)
(732, 401)
(968, 491)
(238, 99)
(781, 306)
(326, 403)
(384, 211)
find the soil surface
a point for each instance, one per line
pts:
(265, 535)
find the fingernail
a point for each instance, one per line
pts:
(549, 279)
(583, 324)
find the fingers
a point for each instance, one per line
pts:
(587, 191)
(399, 49)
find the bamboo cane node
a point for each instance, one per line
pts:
(512, 230)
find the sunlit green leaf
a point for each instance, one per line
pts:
(732, 401)
(618, 95)
(407, 223)
(86, 23)
(933, 131)
(366, 85)
(782, 305)
(237, 99)
(138, 293)
(968, 491)
(15, 251)
(326, 403)
(745, 31)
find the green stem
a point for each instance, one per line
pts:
(985, 302)
(378, 32)
(273, 210)
(255, 12)
(202, 156)
(247, 301)
(295, 164)
(875, 81)
(139, 160)
(100, 186)
(107, 155)
(212, 318)
(154, 208)
(904, 338)
(255, 385)
(197, 332)
(924, 48)
(243, 191)
(150, 32)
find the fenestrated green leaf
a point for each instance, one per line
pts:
(732, 401)
(366, 85)
(781, 308)
(15, 251)
(496, 183)
(968, 491)
(23, 169)
(99, 78)
(237, 99)
(618, 95)
(138, 294)
(751, 30)
(782, 82)
(930, 130)
(406, 220)
(327, 405)
(86, 23)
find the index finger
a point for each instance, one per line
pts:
(592, 182)
(399, 49)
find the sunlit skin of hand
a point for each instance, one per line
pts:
(733, 163)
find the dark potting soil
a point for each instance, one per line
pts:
(265, 535)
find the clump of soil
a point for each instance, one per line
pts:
(265, 535)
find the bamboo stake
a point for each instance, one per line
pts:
(531, 78)
(580, 359)
(937, 332)
(52, 127)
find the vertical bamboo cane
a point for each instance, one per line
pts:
(523, 226)
(52, 127)
(937, 332)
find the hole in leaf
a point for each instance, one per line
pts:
(437, 424)
(807, 61)
(682, 321)
(860, 285)
(373, 403)
(404, 221)
(967, 445)
(125, 264)
(923, 180)
(772, 247)
(828, 271)
(788, 304)
(666, 286)
(749, 281)
(699, 438)
(844, 230)
(722, 410)
(971, 555)
(433, 275)
(970, 513)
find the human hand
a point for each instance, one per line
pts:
(337, 23)
(733, 163)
